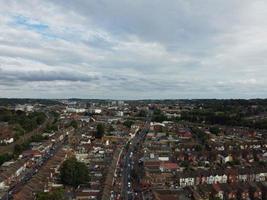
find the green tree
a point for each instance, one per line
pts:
(158, 116)
(214, 130)
(74, 124)
(200, 135)
(40, 118)
(111, 129)
(5, 157)
(37, 138)
(142, 113)
(74, 173)
(128, 123)
(51, 128)
(19, 148)
(18, 129)
(199, 147)
(100, 131)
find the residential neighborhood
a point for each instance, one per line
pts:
(129, 150)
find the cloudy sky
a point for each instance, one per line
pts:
(133, 49)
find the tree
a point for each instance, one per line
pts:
(214, 130)
(158, 116)
(37, 138)
(199, 148)
(128, 123)
(51, 128)
(100, 131)
(19, 148)
(74, 124)
(57, 194)
(111, 128)
(74, 173)
(200, 135)
(142, 113)
(5, 157)
(19, 130)
(40, 119)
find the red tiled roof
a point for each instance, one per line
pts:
(169, 165)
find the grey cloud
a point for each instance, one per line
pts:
(100, 43)
(178, 24)
(33, 76)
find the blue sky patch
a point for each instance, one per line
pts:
(30, 24)
(33, 25)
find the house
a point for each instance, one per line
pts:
(224, 179)
(3, 183)
(243, 175)
(228, 158)
(263, 187)
(86, 119)
(8, 140)
(75, 110)
(205, 191)
(230, 192)
(259, 177)
(163, 158)
(151, 165)
(232, 176)
(11, 172)
(210, 179)
(169, 195)
(159, 179)
(25, 108)
(255, 191)
(157, 126)
(168, 166)
(184, 134)
(86, 194)
(243, 191)
(32, 154)
(217, 191)
(6, 135)
(186, 181)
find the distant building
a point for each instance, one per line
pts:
(7, 140)
(120, 114)
(75, 110)
(24, 108)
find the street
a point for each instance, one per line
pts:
(127, 190)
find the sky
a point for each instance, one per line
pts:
(141, 49)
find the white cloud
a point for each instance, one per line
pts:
(136, 49)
